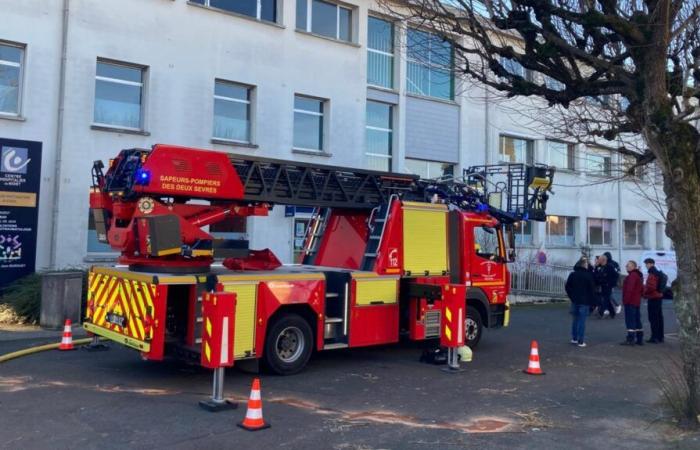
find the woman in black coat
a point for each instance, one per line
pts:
(581, 289)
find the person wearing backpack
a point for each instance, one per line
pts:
(653, 292)
(632, 289)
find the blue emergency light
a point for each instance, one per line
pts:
(143, 177)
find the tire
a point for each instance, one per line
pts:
(288, 345)
(473, 327)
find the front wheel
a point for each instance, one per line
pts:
(473, 327)
(288, 345)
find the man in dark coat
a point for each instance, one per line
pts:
(654, 301)
(632, 289)
(580, 287)
(615, 296)
(606, 278)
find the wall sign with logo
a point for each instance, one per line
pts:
(20, 178)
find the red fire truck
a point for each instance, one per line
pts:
(378, 252)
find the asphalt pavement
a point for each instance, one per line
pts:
(601, 396)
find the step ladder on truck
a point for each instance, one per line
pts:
(378, 255)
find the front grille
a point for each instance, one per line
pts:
(432, 324)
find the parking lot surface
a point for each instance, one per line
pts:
(602, 396)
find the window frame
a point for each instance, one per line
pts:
(308, 25)
(569, 223)
(570, 156)
(603, 221)
(660, 235)
(391, 55)
(142, 85)
(526, 74)
(639, 231)
(323, 125)
(607, 165)
(529, 150)
(390, 131)
(430, 66)
(428, 163)
(250, 91)
(258, 10)
(20, 76)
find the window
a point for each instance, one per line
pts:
(514, 67)
(630, 167)
(523, 233)
(308, 123)
(561, 155)
(429, 169)
(553, 84)
(660, 236)
(635, 232)
(430, 62)
(231, 111)
(257, 9)
(119, 95)
(486, 242)
(598, 162)
(325, 18)
(11, 62)
(379, 135)
(380, 53)
(514, 150)
(561, 231)
(600, 232)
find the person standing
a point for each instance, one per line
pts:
(580, 287)
(632, 290)
(606, 277)
(614, 297)
(654, 298)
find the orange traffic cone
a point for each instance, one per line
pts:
(533, 367)
(67, 339)
(253, 417)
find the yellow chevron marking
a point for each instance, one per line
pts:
(136, 301)
(448, 333)
(207, 350)
(114, 293)
(101, 298)
(208, 326)
(126, 295)
(448, 314)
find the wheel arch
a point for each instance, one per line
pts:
(302, 310)
(477, 298)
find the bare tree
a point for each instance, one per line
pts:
(622, 72)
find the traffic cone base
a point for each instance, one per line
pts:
(253, 417)
(533, 366)
(67, 339)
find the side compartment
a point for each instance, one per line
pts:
(374, 310)
(246, 313)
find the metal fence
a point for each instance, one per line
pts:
(530, 278)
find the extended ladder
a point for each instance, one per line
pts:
(377, 224)
(314, 234)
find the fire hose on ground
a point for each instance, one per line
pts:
(39, 348)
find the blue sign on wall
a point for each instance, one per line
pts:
(20, 178)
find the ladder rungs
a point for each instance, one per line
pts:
(370, 255)
(375, 237)
(331, 295)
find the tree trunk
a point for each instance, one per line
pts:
(676, 148)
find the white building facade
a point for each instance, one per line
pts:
(308, 80)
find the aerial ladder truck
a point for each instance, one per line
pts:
(380, 253)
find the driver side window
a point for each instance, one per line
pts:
(486, 242)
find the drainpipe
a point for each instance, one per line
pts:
(619, 223)
(59, 134)
(487, 150)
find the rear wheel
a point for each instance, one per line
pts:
(288, 345)
(473, 327)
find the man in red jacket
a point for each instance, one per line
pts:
(632, 289)
(654, 302)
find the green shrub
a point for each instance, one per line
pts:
(24, 297)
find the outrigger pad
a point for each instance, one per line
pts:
(212, 406)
